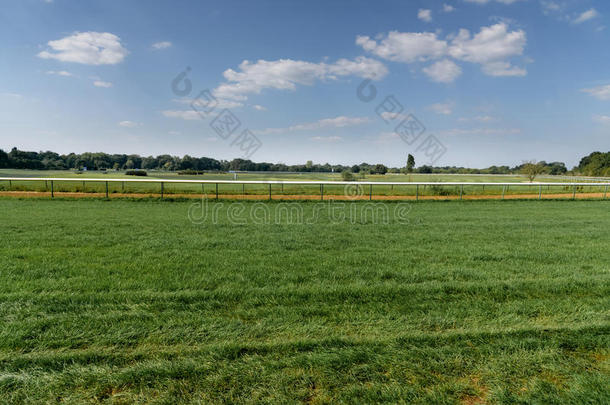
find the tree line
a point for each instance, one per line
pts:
(595, 164)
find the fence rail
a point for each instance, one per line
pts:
(459, 186)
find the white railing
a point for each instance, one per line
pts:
(162, 182)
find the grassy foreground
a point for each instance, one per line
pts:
(474, 302)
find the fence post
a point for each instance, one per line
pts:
(10, 185)
(202, 189)
(539, 192)
(217, 191)
(321, 191)
(269, 191)
(161, 189)
(370, 192)
(503, 190)
(122, 187)
(574, 193)
(416, 192)
(106, 189)
(243, 188)
(461, 190)
(52, 191)
(605, 191)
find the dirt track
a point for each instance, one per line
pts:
(40, 194)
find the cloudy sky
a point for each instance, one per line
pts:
(491, 81)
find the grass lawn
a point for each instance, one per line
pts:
(474, 302)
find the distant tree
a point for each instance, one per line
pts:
(380, 169)
(410, 163)
(425, 169)
(595, 164)
(355, 169)
(309, 164)
(557, 168)
(4, 162)
(532, 169)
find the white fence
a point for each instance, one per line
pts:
(358, 184)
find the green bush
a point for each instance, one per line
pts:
(438, 190)
(190, 171)
(136, 173)
(346, 175)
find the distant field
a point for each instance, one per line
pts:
(294, 190)
(129, 301)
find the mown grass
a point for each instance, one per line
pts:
(129, 301)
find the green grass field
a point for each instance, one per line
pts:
(129, 301)
(278, 190)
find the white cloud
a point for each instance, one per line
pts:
(12, 95)
(384, 138)
(162, 45)
(586, 16)
(220, 103)
(481, 131)
(185, 115)
(600, 92)
(492, 47)
(405, 47)
(174, 133)
(129, 124)
(503, 69)
(448, 8)
(391, 116)
(602, 119)
(479, 118)
(100, 83)
(59, 73)
(549, 6)
(326, 138)
(424, 15)
(89, 48)
(285, 74)
(443, 71)
(336, 122)
(259, 107)
(442, 108)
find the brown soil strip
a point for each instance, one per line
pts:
(39, 194)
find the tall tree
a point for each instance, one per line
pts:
(410, 163)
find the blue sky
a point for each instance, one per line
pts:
(494, 81)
